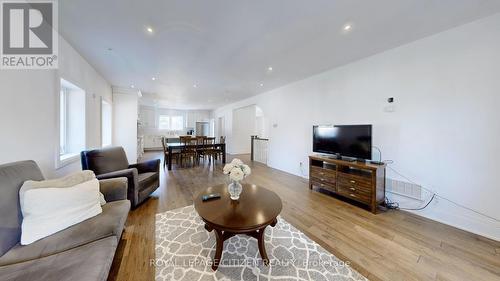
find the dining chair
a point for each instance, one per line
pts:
(187, 152)
(200, 149)
(210, 149)
(217, 151)
(175, 154)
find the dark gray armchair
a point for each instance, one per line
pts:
(143, 178)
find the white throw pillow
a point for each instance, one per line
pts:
(102, 200)
(67, 181)
(51, 206)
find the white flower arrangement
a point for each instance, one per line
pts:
(237, 170)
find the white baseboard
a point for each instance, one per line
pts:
(238, 153)
(445, 212)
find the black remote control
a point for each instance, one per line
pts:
(210, 197)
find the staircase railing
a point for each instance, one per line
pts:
(259, 149)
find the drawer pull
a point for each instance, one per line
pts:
(352, 181)
(321, 173)
(352, 195)
(352, 188)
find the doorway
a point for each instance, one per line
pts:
(221, 130)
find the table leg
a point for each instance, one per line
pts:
(221, 236)
(262, 247)
(218, 249)
(170, 158)
(224, 153)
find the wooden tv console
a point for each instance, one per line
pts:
(358, 181)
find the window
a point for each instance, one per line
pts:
(177, 123)
(62, 121)
(164, 122)
(171, 123)
(71, 122)
(106, 123)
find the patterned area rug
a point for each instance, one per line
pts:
(184, 251)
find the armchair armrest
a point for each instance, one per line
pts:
(152, 166)
(114, 189)
(132, 176)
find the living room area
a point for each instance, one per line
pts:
(254, 140)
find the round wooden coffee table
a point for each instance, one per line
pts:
(251, 214)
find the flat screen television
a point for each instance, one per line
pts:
(347, 140)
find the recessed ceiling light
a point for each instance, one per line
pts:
(132, 86)
(270, 68)
(347, 27)
(153, 78)
(150, 29)
(195, 86)
(262, 85)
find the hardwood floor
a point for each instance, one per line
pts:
(392, 245)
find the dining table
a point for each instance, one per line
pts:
(180, 146)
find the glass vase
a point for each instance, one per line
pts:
(234, 189)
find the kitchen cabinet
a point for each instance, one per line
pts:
(147, 118)
(194, 116)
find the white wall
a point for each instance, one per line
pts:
(261, 123)
(220, 127)
(243, 126)
(125, 113)
(444, 131)
(28, 110)
(106, 123)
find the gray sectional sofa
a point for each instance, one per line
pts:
(79, 253)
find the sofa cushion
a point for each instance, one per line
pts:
(12, 177)
(106, 160)
(90, 262)
(146, 179)
(146, 192)
(110, 222)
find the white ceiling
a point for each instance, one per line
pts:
(226, 46)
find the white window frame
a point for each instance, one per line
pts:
(172, 123)
(169, 122)
(63, 137)
(167, 117)
(64, 159)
